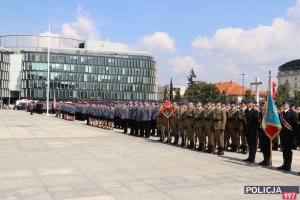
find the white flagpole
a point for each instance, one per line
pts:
(48, 79)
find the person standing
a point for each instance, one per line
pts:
(174, 123)
(263, 138)
(233, 115)
(251, 129)
(190, 124)
(182, 124)
(288, 119)
(199, 126)
(209, 126)
(219, 123)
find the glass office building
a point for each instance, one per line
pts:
(84, 70)
(4, 74)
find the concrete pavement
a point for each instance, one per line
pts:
(47, 158)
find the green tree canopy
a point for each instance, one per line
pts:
(283, 92)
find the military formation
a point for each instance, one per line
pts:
(212, 128)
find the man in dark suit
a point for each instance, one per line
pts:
(288, 119)
(251, 129)
(263, 138)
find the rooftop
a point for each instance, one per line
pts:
(38, 43)
(232, 88)
(290, 66)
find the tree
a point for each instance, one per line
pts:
(248, 95)
(166, 92)
(296, 99)
(171, 90)
(283, 92)
(177, 95)
(191, 78)
(190, 92)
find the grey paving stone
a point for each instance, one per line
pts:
(49, 158)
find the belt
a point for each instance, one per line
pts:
(230, 119)
(216, 120)
(207, 119)
(198, 119)
(189, 117)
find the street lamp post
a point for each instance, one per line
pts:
(243, 83)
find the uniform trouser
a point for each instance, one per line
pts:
(209, 132)
(146, 127)
(190, 133)
(286, 141)
(137, 128)
(219, 136)
(153, 126)
(265, 145)
(142, 128)
(132, 126)
(200, 134)
(174, 127)
(181, 130)
(125, 125)
(242, 137)
(234, 136)
(251, 136)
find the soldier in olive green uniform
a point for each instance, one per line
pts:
(174, 123)
(161, 123)
(219, 119)
(199, 124)
(241, 126)
(233, 117)
(190, 124)
(208, 126)
(182, 124)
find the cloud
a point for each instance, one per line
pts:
(253, 50)
(179, 65)
(82, 28)
(157, 43)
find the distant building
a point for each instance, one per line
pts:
(161, 90)
(4, 73)
(234, 90)
(78, 69)
(290, 73)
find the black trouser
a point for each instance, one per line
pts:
(286, 141)
(153, 126)
(125, 125)
(142, 128)
(132, 126)
(118, 122)
(136, 127)
(146, 128)
(264, 141)
(251, 137)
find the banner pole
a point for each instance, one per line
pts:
(270, 153)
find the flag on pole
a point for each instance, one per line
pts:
(271, 122)
(167, 108)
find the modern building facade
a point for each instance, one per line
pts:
(79, 69)
(4, 74)
(290, 73)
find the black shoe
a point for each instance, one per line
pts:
(220, 152)
(281, 167)
(200, 148)
(247, 159)
(264, 163)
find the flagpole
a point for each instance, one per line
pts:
(270, 138)
(48, 78)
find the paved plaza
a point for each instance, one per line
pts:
(46, 158)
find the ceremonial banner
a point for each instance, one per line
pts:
(167, 108)
(271, 122)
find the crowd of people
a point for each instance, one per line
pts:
(212, 128)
